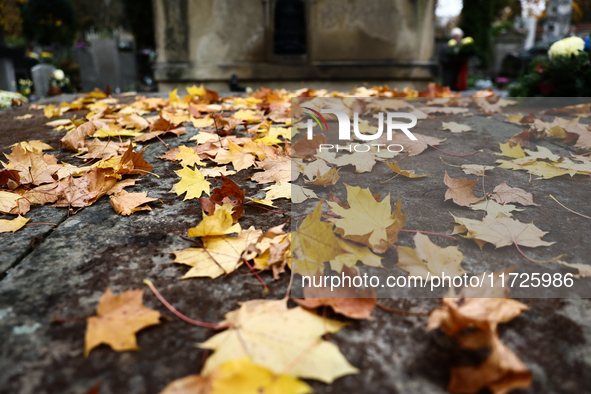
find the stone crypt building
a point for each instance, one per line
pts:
(294, 43)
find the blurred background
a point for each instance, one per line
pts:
(49, 47)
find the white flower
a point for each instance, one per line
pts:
(566, 47)
(452, 43)
(59, 74)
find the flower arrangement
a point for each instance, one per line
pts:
(58, 83)
(566, 72)
(567, 47)
(463, 49)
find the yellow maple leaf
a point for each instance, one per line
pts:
(314, 243)
(12, 225)
(247, 115)
(279, 339)
(429, 260)
(219, 223)
(188, 157)
(354, 253)
(206, 121)
(196, 91)
(118, 319)
(407, 173)
(368, 221)
(238, 376)
(515, 152)
(192, 181)
(279, 191)
(236, 155)
(220, 254)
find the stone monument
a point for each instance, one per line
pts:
(41, 74)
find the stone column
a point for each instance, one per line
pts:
(558, 20)
(172, 37)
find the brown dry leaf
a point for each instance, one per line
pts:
(503, 231)
(135, 162)
(504, 193)
(153, 134)
(35, 168)
(347, 300)
(495, 209)
(119, 186)
(584, 269)
(472, 318)
(272, 251)
(429, 260)
(455, 127)
(125, 203)
(501, 372)
(75, 138)
(225, 125)
(329, 178)
(367, 220)
(229, 193)
(9, 176)
(220, 255)
(12, 225)
(306, 148)
(409, 174)
(275, 170)
(83, 191)
(134, 121)
(414, 147)
(460, 191)
(238, 156)
(259, 329)
(98, 149)
(476, 169)
(118, 319)
(13, 203)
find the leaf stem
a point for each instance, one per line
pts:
(568, 209)
(537, 261)
(180, 315)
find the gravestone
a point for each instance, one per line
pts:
(558, 20)
(41, 74)
(104, 63)
(7, 75)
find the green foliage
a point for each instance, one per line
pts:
(476, 21)
(49, 22)
(564, 76)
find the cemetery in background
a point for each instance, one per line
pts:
(68, 46)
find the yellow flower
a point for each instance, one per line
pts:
(46, 54)
(467, 40)
(452, 43)
(566, 47)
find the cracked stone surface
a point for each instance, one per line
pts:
(60, 272)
